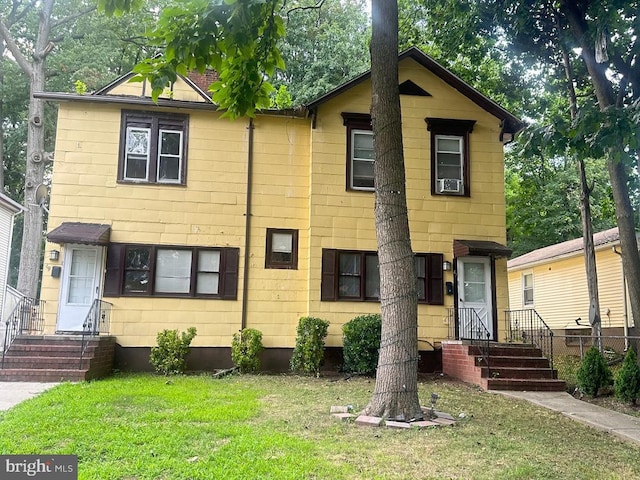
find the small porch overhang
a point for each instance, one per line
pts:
(486, 248)
(82, 233)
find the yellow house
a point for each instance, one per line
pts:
(552, 280)
(168, 216)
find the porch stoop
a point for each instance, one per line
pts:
(511, 366)
(55, 358)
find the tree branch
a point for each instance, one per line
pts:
(24, 64)
(70, 18)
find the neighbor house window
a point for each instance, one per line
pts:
(355, 276)
(360, 154)
(150, 270)
(527, 289)
(450, 156)
(282, 249)
(153, 148)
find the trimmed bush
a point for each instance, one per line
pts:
(309, 351)
(627, 384)
(168, 358)
(245, 348)
(361, 343)
(593, 373)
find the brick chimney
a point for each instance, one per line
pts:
(203, 80)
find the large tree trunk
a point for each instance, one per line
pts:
(29, 272)
(616, 167)
(396, 391)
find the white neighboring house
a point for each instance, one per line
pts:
(8, 210)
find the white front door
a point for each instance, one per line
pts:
(475, 307)
(81, 274)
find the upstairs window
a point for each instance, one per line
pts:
(360, 154)
(355, 276)
(450, 156)
(153, 148)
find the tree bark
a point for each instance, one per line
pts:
(32, 232)
(617, 170)
(396, 391)
(585, 215)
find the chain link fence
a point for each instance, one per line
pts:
(569, 350)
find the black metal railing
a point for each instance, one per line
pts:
(27, 317)
(466, 324)
(97, 321)
(527, 326)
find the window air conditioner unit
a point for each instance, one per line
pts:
(448, 185)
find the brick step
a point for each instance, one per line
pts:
(524, 373)
(531, 385)
(48, 350)
(507, 350)
(43, 362)
(41, 375)
(52, 340)
(514, 362)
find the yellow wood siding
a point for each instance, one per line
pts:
(180, 90)
(560, 292)
(299, 182)
(435, 221)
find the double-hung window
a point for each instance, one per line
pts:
(153, 148)
(527, 289)
(355, 276)
(166, 271)
(450, 156)
(360, 154)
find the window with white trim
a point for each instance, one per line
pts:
(527, 289)
(360, 153)
(450, 156)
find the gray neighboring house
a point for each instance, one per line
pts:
(8, 210)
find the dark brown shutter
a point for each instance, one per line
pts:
(435, 284)
(113, 273)
(230, 274)
(328, 287)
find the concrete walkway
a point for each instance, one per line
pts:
(623, 426)
(12, 393)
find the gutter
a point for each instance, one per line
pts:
(625, 314)
(247, 224)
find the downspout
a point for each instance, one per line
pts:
(247, 225)
(624, 299)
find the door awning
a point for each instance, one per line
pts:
(84, 233)
(464, 248)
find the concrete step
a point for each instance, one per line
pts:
(41, 375)
(531, 385)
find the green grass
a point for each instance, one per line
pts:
(259, 427)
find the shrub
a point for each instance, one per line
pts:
(361, 343)
(627, 384)
(593, 373)
(309, 351)
(169, 356)
(245, 348)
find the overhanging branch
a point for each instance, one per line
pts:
(24, 64)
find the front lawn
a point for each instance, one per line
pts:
(138, 427)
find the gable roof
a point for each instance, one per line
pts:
(564, 249)
(511, 124)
